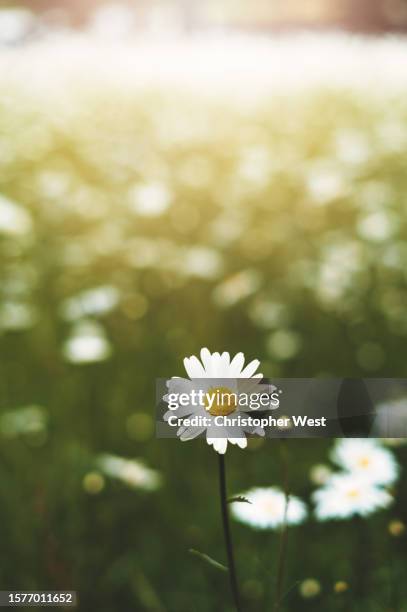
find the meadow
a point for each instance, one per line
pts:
(155, 202)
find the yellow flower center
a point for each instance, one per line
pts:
(364, 462)
(353, 493)
(269, 506)
(220, 401)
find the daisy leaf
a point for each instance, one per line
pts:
(208, 560)
(239, 499)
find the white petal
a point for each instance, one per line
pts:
(219, 444)
(250, 369)
(216, 369)
(220, 365)
(236, 364)
(189, 433)
(224, 365)
(194, 367)
(183, 411)
(179, 385)
(241, 442)
(206, 359)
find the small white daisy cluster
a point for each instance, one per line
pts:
(360, 489)
(267, 508)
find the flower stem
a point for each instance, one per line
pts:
(228, 537)
(284, 531)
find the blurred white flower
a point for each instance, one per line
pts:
(352, 147)
(54, 185)
(236, 288)
(14, 219)
(341, 266)
(265, 313)
(150, 199)
(87, 344)
(284, 344)
(256, 165)
(96, 301)
(25, 420)
(367, 460)
(215, 366)
(229, 226)
(15, 316)
(320, 474)
(267, 509)
(200, 261)
(346, 495)
(377, 226)
(309, 588)
(132, 472)
(326, 182)
(15, 25)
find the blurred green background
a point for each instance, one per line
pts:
(140, 223)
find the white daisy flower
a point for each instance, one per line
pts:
(95, 301)
(87, 344)
(267, 509)
(133, 472)
(14, 219)
(216, 375)
(347, 495)
(320, 474)
(150, 199)
(367, 459)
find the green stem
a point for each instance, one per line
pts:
(228, 538)
(282, 553)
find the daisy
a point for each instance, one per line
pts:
(347, 495)
(87, 344)
(216, 375)
(320, 474)
(133, 472)
(267, 509)
(367, 459)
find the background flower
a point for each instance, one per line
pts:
(347, 495)
(267, 509)
(132, 472)
(366, 459)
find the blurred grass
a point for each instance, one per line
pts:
(278, 229)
